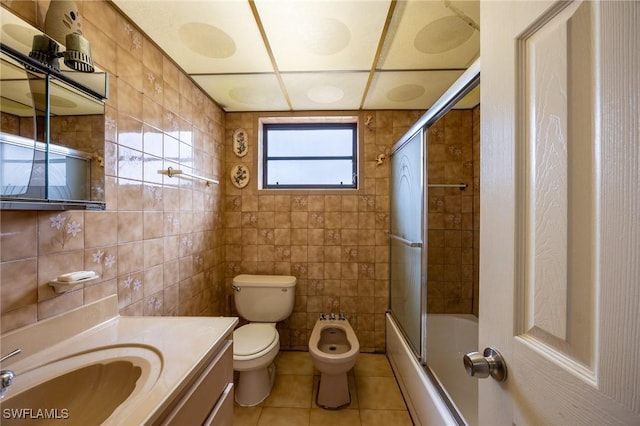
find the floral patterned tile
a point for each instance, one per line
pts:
(60, 232)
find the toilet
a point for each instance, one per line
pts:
(333, 347)
(262, 300)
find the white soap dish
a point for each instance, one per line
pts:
(64, 286)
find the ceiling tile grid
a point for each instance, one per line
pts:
(408, 89)
(244, 92)
(203, 37)
(326, 91)
(429, 35)
(278, 55)
(323, 35)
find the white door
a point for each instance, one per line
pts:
(560, 215)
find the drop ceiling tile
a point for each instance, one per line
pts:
(244, 92)
(325, 91)
(323, 35)
(471, 100)
(323, 49)
(430, 35)
(15, 33)
(203, 36)
(408, 89)
(16, 98)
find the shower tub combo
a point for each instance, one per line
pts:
(425, 350)
(431, 393)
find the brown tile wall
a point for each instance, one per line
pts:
(335, 243)
(160, 244)
(453, 218)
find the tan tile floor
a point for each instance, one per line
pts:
(375, 397)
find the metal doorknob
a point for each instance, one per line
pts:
(490, 363)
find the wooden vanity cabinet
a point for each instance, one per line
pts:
(208, 398)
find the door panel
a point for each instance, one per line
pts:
(555, 75)
(560, 227)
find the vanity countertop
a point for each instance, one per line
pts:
(169, 350)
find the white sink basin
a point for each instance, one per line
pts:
(91, 366)
(83, 388)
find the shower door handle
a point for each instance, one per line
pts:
(490, 363)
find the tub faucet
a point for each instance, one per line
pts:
(7, 376)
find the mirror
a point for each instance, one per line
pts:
(52, 137)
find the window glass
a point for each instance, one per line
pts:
(310, 155)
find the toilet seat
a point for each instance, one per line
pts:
(254, 340)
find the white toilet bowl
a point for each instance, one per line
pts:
(333, 346)
(262, 300)
(255, 347)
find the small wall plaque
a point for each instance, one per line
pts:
(240, 147)
(239, 175)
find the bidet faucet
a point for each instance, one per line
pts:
(7, 376)
(332, 316)
(323, 316)
(341, 317)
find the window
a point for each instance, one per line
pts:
(309, 155)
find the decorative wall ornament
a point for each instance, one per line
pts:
(239, 175)
(369, 122)
(240, 147)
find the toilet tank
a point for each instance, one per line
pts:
(264, 298)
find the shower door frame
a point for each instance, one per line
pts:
(458, 90)
(421, 351)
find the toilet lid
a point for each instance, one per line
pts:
(253, 338)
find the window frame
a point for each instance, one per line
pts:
(310, 123)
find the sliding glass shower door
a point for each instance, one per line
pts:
(407, 286)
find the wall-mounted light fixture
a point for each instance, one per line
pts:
(63, 24)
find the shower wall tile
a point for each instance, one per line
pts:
(100, 229)
(158, 235)
(130, 68)
(21, 290)
(453, 213)
(18, 231)
(27, 10)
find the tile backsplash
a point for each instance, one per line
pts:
(170, 246)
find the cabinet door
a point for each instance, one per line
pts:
(222, 414)
(197, 403)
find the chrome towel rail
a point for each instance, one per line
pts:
(171, 172)
(405, 242)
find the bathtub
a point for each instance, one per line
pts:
(442, 394)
